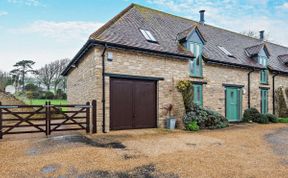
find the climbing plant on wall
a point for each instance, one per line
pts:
(186, 89)
(281, 105)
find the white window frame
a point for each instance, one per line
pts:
(224, 50)
(148, 35)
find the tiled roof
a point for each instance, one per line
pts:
(284, 59)
(254, 50)
(167, 29)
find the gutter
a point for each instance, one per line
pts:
(273, 90)
(92, 42)
(103, 88)
(232, 64)
(249, 88)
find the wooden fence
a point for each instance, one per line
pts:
(23, 119)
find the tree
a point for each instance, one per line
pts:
(5, 79)
(59, 80)
(21, 69)
(46, 74)
(255, 34)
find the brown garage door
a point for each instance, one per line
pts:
(133, 104)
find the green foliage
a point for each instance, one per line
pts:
(47, 95)
(186, 89)
(29, 94)
(205, 118)
(60, 94)
(283, 120)
(192, 126)
(281, 105)
(272, 118)
(263, 119)
(31, 87)
(251, 114)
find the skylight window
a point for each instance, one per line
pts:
(225, 51)
(148, 35)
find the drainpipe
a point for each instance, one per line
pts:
(103, 89)
(249, 88)
(273, 90)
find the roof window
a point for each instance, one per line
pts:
(225, 51)
(148, 36)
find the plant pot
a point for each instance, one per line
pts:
(171, 123)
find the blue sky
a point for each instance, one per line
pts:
(47, 30)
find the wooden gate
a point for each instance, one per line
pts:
(21, 119)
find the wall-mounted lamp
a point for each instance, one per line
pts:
(110, 56)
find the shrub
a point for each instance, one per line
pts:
(205, 118)
(251, 114)
(47, 95)
(192, 126)
(272, 118)
(60, 94)
(263, 119)
(283, 120)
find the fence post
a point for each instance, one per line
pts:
(1, 134)
(94, 116)
(46, 117)
(49, 117)
(88, 117)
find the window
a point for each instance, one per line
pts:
(262, 60)
(263, 73)
(225, 51)
(264, 76)
(264, 101)
(198, 94)
(196, 63)
(148, 35)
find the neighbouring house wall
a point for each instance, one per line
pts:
(85, 81)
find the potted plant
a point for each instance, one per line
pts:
(171, 120)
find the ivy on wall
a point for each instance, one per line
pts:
(281, 105)
(186, 89)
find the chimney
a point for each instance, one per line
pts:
(202, 17)
(262, 35)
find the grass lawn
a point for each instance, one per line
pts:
(42, 102)
(283, 120)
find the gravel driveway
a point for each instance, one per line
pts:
(279, 142)
(248, 150)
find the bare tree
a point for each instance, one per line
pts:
(46, 74)
(59, 80)
(255, 34)
(50, 74)
(5, 79)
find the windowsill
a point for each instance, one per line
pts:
(264, 83)
(199, 77)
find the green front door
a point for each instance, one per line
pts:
(233, 103)
(264, 100)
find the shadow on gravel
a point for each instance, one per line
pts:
(49, 144)
(279, 142)
(146, 171)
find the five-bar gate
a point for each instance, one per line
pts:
(20, 119)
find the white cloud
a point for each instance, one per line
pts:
(284, 6)
(69, 30)
(3, 13)
(26, 2)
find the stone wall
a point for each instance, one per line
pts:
(85, 81)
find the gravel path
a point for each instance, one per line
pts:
(249, 150)
(279, 142)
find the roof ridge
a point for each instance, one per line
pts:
(238, 33)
